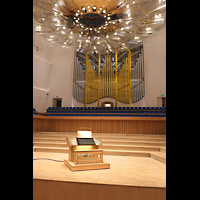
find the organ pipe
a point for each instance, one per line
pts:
(109, 75)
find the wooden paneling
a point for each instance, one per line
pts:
(131, 125)
(52, 190)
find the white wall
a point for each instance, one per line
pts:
(155, 66)
(61, 76)
(52, 73)
(41, 69)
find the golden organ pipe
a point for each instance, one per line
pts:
(106, 73)
(107, 77)
(129, 56)
(86, 61)
(110, 75)
(99, 78)
(116, 78)
(116, 85)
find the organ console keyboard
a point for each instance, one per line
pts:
(84, 152)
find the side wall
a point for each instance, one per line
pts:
(61, 76)
(155, 67)
(52, 74)
(41, 69)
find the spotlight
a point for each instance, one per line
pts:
(83, 9)
(104, 11)
(94, 8)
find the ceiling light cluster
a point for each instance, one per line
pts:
(91, 17)
(93, 21)
(90, 9)
(98, 26)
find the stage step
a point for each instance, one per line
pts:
(104, 136)
(51, 149)
(46, 139)
(136, 142)
(104, 146)
(160, 156)
(126, 153)
(50, 144)
(106, 151)
(113, 144)
(65, 134)
(163, 149)
(128, 147)
(111, 139)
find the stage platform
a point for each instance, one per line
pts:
(138, 178)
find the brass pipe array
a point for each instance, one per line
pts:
(123, 83)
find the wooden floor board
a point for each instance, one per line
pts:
(124, 170)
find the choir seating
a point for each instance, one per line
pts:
(35, 112)
(108, 111)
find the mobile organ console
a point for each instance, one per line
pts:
(84, 153)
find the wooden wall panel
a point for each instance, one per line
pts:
(129, 125)
(52, 190)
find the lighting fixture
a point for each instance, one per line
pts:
(102, 19)
(148, 28)
(94, 8)
(38, 28)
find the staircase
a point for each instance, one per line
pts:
(140, 145)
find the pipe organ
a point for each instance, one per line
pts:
(118, 75)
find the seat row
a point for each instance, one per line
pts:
(109, 115)
(109, 108)
(106, 108)
(106, 111)
(35, 112)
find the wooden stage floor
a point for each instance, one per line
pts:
(124, 170)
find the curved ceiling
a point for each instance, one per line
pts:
(98, 25)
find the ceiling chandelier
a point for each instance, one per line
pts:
(97, 25)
